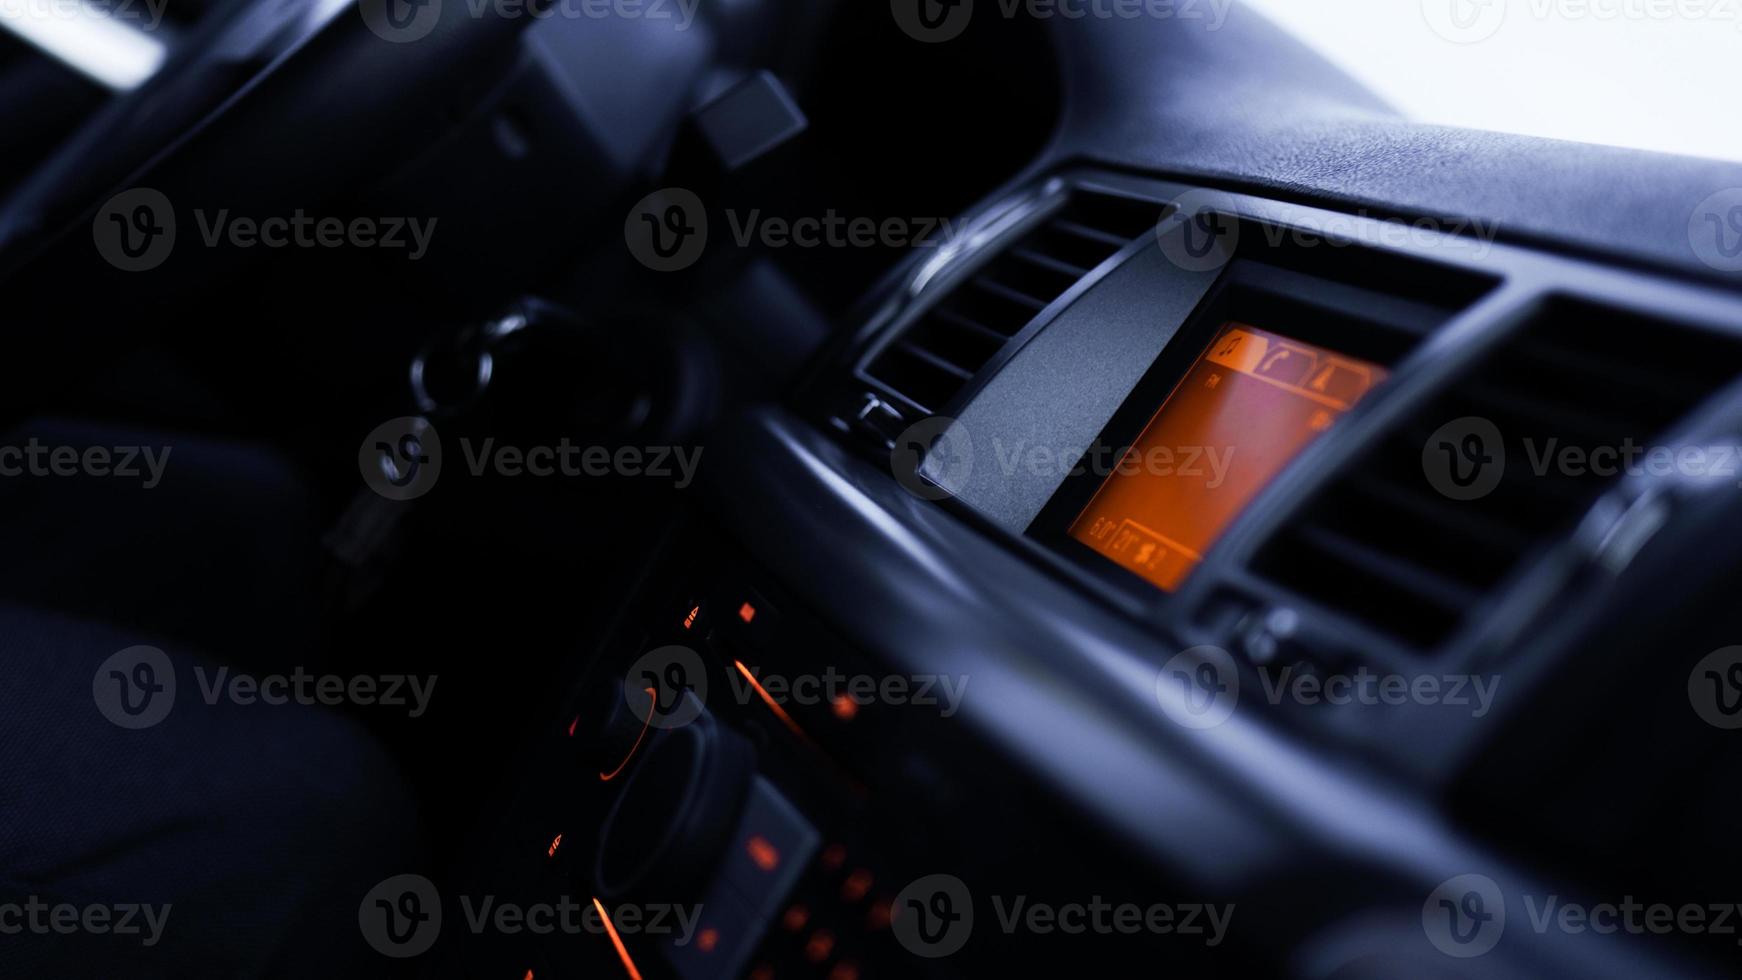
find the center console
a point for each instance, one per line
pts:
(985, 619)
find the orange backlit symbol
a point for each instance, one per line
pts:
(617, 941)
(833, 857)
(554, 844)
(768, 699)
(844, 707)
(606, 777)
(819, 946)
(765, 855)
(1250, 404)
(747, 612)
(881, 912)
(528, 975)
(856, 885)
(690, 620)
(707, 939)
(576, 720)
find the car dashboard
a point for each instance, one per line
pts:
(1247, 531)
(1399, 657)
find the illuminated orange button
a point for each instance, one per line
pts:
(820, 945)
(796, 918)
(833, 857)
(689, 621)
(708, 939)
(572, 723)
(856, 885)
(747, 612)
(766, 855)
(844, 707)
(877, 919)
(528, 975)
(555, 843)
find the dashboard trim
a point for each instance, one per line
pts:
(1242, 807)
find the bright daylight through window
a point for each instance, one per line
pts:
(1650, 74)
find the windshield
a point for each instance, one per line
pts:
(1650, 74)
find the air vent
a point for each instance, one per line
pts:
(936, 357)
(1382, 544)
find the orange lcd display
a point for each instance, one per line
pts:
(1250, 403)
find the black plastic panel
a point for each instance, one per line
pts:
(1058, 391)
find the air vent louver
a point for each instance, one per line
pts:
(935, 358)
(1383, 545)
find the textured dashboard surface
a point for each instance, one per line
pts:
(1247, 106)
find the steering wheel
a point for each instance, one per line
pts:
(271, 104)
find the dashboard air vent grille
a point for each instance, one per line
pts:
(940, 352)
(1396, 543)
